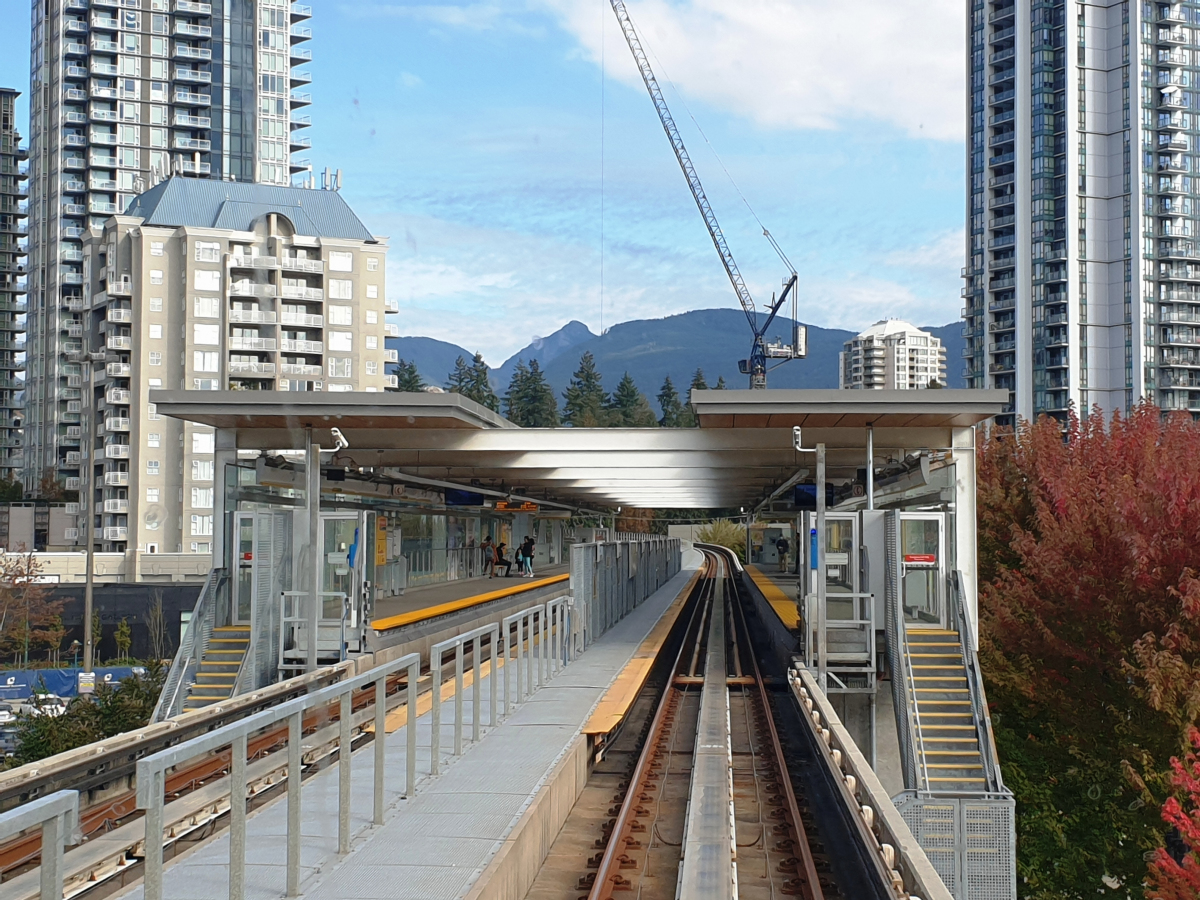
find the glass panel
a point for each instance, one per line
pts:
(245, 564)
(921, 596)
(839, 568)
(340, 535)
(919, 541)
(921, 565)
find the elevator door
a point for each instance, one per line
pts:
(922, 569)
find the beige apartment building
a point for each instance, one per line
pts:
(211, 285)
(893, 355)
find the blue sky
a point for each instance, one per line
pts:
(471, 135)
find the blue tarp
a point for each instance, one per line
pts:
(20, 684)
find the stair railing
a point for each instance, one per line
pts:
(979, 706)
(921, 763)
(195, 641)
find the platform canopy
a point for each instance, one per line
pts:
(742, 451)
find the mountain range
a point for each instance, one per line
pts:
(651, 349)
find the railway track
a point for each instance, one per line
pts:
(694, 796)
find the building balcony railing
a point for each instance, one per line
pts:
(196, 76)
(260, 316)
(189, 167)
(191, 7)
(116, 479)
(296, 264)
(116, 451)
(288, 345)
(305, 319)
(391, 356)
(299, 369)
(116, 533)
(252, 368)
(238, 342)
(120, 287)
(118, 370)
(391, 330)
(251, 289)
(72, 483)
(101, 207)
(185, 51)
(116, 423)
(195, 31)
(296, 292)
(187, 143)
(119, 314)
(117, 507)
(183, 120)
(391, 306)
(118, 342)
(189, 98)
(254, 262)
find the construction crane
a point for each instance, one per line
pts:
(760, 351)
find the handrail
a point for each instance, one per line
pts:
(191, 649)
(58, 817)
(914, 714)
(912, 742)
(979, 706)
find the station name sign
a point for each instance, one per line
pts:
(513, 506)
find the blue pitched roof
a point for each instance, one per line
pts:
(209, 203)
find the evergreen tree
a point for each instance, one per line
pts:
(629, 407)
(481, 385)
(687, 418)
(541, 407)
(408, 378)
(459, 381)
(584, 399)
(515, 407)
(668, 402)
(698, 382)
(720, 385)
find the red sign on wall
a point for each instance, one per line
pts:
(920, 558)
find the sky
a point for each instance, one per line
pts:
(512, 156)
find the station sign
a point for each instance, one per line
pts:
(514, 506)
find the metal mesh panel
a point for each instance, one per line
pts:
(609, 580)
(971, 843)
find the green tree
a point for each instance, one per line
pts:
(515, 406)
(408, 378)
(629, 407)
(687, 418)
(481, 385)
(698, 382)
(11, 491)
(584, 400)
(725, 534)
(459, 381)
(720, 385)
(668, 402)
(124, 639)
(97, 636)
(529, 401)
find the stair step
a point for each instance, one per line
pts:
(971, 780)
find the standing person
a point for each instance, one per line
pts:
(527, 556)
(782, 546)
(489, 557)
(501, 561)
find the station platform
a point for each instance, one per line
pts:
(430, 601)
(468, 832)
(779, 590)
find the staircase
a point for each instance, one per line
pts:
(219, 666)
(947, 739)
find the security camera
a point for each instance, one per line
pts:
(339, 439)
(796, 438)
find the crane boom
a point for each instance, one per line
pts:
(685, 163)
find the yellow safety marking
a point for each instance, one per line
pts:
(420, 615)
(930, 631)
(957, 779)
(785, 607)
(615, 703)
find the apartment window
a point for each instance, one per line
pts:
(131, 65)
(339, 388)
(158, 46)
(130, 88)
(372, 342)
(341, 340)
(372, 317)
(151, 495)
(205, 361)
(156, 332)
(158, 137)
(341, 261)
(152, 467)
(206, 334)
(158, 89)
(372, 264)
(339, 368)
(202, 498)
(207, 280)
(340, 315)
(203, 443)
(156, 304)
(152, 412)
(155, 358)
(156, 276)
(155, 382)
(202, 470)
(153, 439)
(158, 24)
(206, 307)
(130, 112)
(205, 384)
(202, 526)
(372, 367)
(372, 292)
(201, 547)
(208, 251)
(156, 248)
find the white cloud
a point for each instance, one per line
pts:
(945, 252)
(796, 63)
(409, 80)
(858, 302)
(473, 16)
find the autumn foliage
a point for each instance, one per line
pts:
(1090, 637)
(1171, 879)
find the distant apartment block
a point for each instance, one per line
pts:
(207, 285)
(124, 93)
(13, 194)
(892, 355)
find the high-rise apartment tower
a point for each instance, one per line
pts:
(123, 94)
(12, 285)
(1083, 267)
(892, 355)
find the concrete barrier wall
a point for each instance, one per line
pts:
(512, 870)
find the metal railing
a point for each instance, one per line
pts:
(191, 649)
(528, 647)
(293, 621)
(457, 645)
(897, 651)
(151, 771)
(58, 817)
(979, 706)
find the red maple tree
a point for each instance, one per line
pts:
(1171, 880)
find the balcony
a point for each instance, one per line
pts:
(74, 329)
(116, 506)
(116, 423)
(301, 53)
(74, 140)
(390, 330)
(254, 262)
(391, 306)
(299, 77)
(108, 70)
(298, 100)
(73, 484)
(304, 319)
(299, 369)
(74, 162)
(186, 143)
(100, 114)
(74, 117)
(117, 396)
(184, 51)
(182, 120)
(119, 314)
(72, 278)
(187, 98)
(116, 451)
(391, 356)
(197, 76)
(238, 342)
(296, 292)
(392, 381)
(75, 72)
(102, 184)
(252, 316)
(122, 287)
(116, 533)
(116, 479)
(118, 342)
(191, 7)
(251, 289)
(75, 26)
(103, 162)
(75, 94)
(101, 45)
(118, 370)
(288, 345)
(100, 92)
(252, 368)
(194, 31)
(296, 264)
(189, 167)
